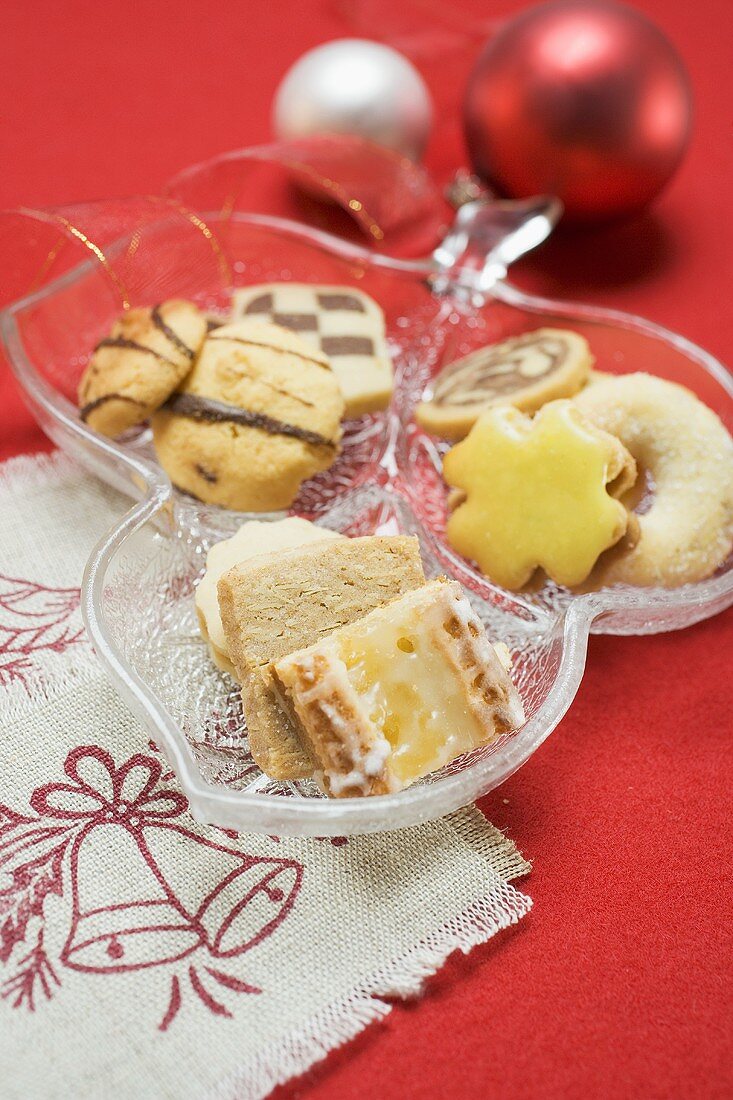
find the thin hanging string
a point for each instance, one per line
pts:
(417, 32)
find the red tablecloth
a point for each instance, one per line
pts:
(619, 983)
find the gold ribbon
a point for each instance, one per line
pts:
(51, 218)
(79, 235)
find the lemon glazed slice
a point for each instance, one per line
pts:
(400, 693)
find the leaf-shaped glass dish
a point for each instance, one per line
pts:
(137, 590)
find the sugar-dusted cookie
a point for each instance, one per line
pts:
(343, 322)
(252, 538)
(685, 525)
(134, 370)
(259, 413)
(537, 493)
(388, 699)
(525, 371)
(273, 605)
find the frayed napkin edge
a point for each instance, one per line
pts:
(401, 978)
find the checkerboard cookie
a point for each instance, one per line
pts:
(345, 324)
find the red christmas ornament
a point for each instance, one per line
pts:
(585, 100)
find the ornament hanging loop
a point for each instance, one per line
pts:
(486, 237)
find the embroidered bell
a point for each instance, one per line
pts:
(123, 917)
(246, 896)
(145, 888)
(155, 893)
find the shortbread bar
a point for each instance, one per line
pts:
(252, 539)
(273, 605)
(398, 694)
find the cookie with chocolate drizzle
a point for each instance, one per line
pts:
(526, 371)
(259, 413)
(138, 366)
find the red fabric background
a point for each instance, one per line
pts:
(619, 983)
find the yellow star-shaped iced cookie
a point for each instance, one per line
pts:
(537, 493)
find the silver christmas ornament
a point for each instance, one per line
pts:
(353, 86)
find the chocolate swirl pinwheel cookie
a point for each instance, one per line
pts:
(259, 413)
(138, 366)
(525, 371)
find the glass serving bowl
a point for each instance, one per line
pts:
(139, 582)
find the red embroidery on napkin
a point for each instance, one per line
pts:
(34, 618)
(122, 819)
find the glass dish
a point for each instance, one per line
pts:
(138, 586)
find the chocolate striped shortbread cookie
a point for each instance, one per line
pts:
(345, 324)
(138, 366)
(259, 413)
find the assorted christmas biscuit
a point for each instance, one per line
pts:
(525, 372)
(274, 604)
(138, 366)
(243, 410)
(354, 669)
(558, 495)
(340, 322)
(542, 478)
(258, 414)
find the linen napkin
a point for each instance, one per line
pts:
(142, 953)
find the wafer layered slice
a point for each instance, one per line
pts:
(388, 699)
(272, 605)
